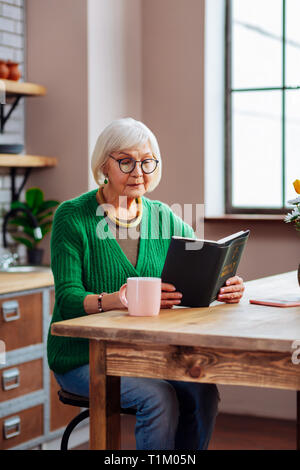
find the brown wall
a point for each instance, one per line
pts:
(57, 124)
(272, 248)
(173, 94)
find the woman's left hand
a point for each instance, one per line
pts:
(233, 291)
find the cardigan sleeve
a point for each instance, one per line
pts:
(66, 263)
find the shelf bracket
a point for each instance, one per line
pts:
(4, 118)
(15, 194)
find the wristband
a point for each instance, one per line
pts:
(100, 309)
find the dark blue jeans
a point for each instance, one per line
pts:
(170, 414)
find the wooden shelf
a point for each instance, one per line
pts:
(26, 161)
(13, 92)
(14, 88)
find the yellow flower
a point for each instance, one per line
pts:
(296, 184)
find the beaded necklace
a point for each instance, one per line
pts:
(119, 222)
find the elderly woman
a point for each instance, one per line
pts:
(99, 239)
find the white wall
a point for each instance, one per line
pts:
(214, 123)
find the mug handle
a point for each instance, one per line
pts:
(122, 295)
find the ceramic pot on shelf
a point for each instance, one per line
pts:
(4, 70)
(14, 71)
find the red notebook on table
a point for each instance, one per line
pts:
(277, 302)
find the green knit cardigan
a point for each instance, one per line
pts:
(87, 259)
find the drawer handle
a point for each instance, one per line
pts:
(11, 310)
(12, 427)
(10, 379)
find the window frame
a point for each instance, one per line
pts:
(229, 209)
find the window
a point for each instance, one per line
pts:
(262, 104)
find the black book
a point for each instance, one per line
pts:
(199, 268)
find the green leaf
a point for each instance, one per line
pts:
(19, 205)
(47, 205)
(29, 232)
(45, 228)
(45, 231)
(50, 221)
(42, 217)
(46, 224)
(20, 222)
(34, 198)
(24, 241)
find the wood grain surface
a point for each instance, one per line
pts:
(25, 161)
(241, 326)
(13, 87)
(104, 401)
(195, 364)
(16, 282)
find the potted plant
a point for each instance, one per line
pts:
(294, 216)
(34, 209)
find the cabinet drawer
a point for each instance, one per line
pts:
(21, 379)
(21, 427)
(21, 320)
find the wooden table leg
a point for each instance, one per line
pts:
(104, 401)
(298, 420)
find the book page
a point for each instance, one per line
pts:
(217, 242)
(230, 237)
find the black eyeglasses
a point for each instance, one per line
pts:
(127, 164)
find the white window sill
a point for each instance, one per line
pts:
(249, 217)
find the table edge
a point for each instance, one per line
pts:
(170, 338)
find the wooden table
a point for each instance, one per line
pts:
(234, 344)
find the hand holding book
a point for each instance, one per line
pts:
(169, 296)
(233, 291)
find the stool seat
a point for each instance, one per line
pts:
(83, 402)
(71, 399)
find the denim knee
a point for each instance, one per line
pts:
(161, 400)
(214, 397)
(157, 413)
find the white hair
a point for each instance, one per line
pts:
(119, 135)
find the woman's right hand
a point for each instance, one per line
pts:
(169, 296)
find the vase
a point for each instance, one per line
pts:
(35, 256)
(4, 70)
(14, 71)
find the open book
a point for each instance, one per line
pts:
(199, 268)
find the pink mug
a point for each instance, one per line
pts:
(143, 296)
